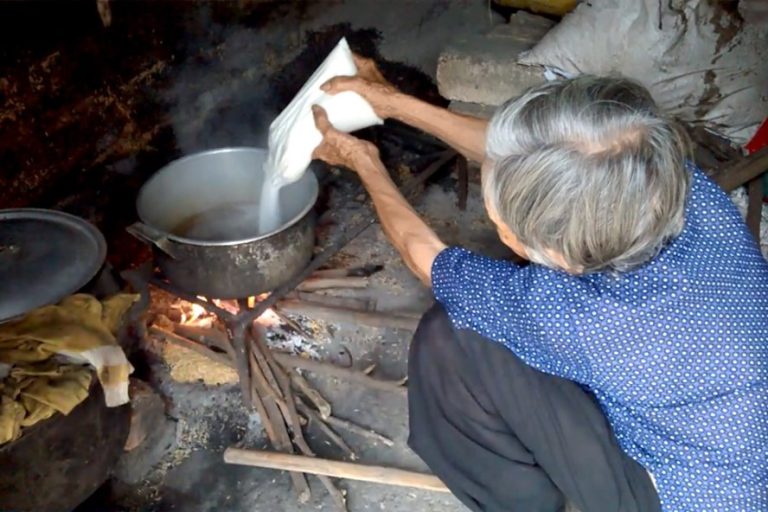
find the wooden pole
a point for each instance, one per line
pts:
(755, 206)
(350, 316)
(743, 171)
(314, 284)
(332, 468)
(349, 374)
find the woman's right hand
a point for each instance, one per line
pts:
(342, 149)
(368, 83)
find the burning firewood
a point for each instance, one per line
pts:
(284, 399)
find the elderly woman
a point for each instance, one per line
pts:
(633, 347)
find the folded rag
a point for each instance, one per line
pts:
(43, 355)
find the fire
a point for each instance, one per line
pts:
(269, 319)
(197, 312)
(227, 305)
(196, 315)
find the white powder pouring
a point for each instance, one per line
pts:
(293, 135)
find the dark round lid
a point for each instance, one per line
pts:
(45, 255)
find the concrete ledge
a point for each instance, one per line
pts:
(472, 109)
(483, 69)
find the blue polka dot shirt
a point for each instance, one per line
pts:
(675, 351)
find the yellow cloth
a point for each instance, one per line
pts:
(46, 350)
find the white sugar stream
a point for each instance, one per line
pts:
(270, 213)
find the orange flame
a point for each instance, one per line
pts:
(196, 315)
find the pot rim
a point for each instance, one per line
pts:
(228, 243)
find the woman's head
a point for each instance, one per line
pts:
(587, 174)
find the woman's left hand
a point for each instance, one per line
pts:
(339, 148)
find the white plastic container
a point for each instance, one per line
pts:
(293, 135)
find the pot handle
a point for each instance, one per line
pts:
(152, 236)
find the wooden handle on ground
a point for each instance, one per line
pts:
(332, 468)
(324, 283)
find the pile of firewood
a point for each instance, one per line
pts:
(273, 386)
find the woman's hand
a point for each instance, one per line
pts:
(466, 134)
(413, 239)
(340, 148)
(368, 83)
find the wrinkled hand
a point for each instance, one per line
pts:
(368, 83)
(340, 148)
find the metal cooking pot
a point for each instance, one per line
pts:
(237, 262)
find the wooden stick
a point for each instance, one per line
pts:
(265, 388)
(292, 416)
(349, 470)
(261, 354)
(352, 316)
(312, 395)
(207, 336)
(267, 422)
(755, 206)
(330, 273)
(324, 283)
(315, 418)
(743, 171)
(241, 360)
(350, 374)
(359, 430)
(363, 271)
(273, 414)
(181, 341)
(268, 399)
(323, 299)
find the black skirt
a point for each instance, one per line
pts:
(506, 437)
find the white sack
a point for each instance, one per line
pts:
(293, 135)
(700, 62)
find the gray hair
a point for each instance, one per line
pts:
(588, 168)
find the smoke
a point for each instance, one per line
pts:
(220, 94)
(231, 80)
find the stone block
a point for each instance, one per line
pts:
(483, 68)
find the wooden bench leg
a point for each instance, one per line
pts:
(755, 206)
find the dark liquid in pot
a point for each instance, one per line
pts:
(235, 221)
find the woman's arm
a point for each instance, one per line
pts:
(414, 240)
(464, 133)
